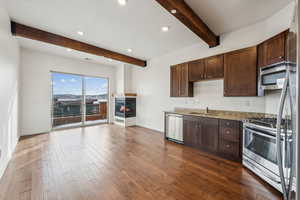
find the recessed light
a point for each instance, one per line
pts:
(80, 33)
(165, 28)
(69, 49)
(122, 2)
(173, 11)
(129, 50)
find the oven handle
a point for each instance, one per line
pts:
(278, 136)
(261, 134)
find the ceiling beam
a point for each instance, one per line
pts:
(43, 36)
(188, 17)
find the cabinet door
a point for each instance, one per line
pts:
(214, 67)
(261, 55)
(274, 49)
(190, 131)
(183, 80)
(240, 72)
(209, 134)
(196, 70)
(174, 75)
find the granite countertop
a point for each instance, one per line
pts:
(219, 114)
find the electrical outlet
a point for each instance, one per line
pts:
(247, 103)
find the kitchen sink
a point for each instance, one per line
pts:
(202, 113)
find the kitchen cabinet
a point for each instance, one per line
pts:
(230, 139)
(217, 136)
(197, 70)
(174, 81)
(201, 133)
(207, 68)
(272, 50)
(209, 134)
(180, 84)
(192, 131)
(240, 72)
(214, 67)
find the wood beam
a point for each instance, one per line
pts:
(43, 36)
(188, 17)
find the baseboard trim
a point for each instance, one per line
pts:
(160, 132)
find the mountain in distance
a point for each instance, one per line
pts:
(72, 96)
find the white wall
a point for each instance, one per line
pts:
(152, 83)
(36, 89)
(9, 90)
(124, 79)
(120, 79)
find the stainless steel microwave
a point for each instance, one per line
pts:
(272, 77)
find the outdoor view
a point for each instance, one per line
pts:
(78, 99)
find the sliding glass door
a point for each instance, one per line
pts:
(96, 99)
(78, 100)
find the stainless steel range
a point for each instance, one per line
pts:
(260, 149)
(270, 145)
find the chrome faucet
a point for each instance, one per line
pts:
(206, 110)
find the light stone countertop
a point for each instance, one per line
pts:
(220, 114)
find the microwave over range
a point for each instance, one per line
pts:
(272, 77)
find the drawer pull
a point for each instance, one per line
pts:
(227, 145)
(227, 123)
(227, 132)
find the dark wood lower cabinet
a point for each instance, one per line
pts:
(210, 134)
(216, 136)
(192, 133)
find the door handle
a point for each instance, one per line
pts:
(278, 136)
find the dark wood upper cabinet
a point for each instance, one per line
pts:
(272, 50)
(180, 85)
(240, 72)
(196, 70)
(238, 68)
(174, 73)
(186, 88)
(214, 67)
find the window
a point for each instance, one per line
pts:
(78, 100)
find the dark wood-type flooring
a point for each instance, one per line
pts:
(108, 162)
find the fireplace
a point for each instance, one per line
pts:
(125, 107)
(125, 110)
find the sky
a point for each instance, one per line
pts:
(72, 84)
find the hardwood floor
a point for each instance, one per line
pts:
(110, 162)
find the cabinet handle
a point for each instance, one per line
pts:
(280, 56)
(227, 123)
(227, 145)
(227, 132)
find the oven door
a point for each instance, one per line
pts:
(261, 148)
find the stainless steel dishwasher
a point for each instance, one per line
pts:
(174, 127)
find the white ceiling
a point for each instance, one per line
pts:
(224, 16)
(137, 25)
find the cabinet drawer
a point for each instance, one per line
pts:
(230, 134)
(229, 124)
(229, 148)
